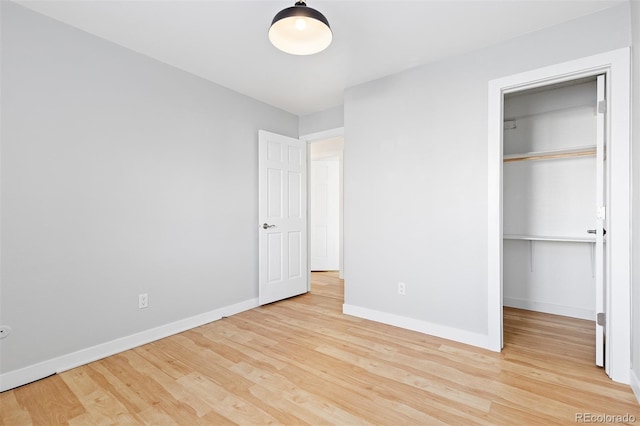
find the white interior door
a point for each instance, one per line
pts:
(325, 215)
(600, 225)
(282, 212)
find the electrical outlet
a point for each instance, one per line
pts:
(401, 289)
(143, 300)
(5, 330)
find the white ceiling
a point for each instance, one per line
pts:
(226, 41)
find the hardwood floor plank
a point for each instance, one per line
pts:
(140, 361)
(302, 362)
(232, 405)
(35, 398)
(504, 415)
(319, 383)
(218, 368)
(11, 413)
(101, 407)
(307, 408)
(328, 364)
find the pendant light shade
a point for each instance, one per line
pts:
(300, 30)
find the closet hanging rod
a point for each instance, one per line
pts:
(529, 114)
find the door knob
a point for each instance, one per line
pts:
(267, 226)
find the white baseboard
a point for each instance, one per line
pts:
(46, 368)
(635, 384)
(550, 308)
(449, 333)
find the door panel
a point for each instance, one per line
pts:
(282, 212)
(295, 250)
(274, 272)
(274, 196)
(295, 195)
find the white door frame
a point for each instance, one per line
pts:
(601, 266)
(616, 65)
(310, 138)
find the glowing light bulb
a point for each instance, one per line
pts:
(301, 24)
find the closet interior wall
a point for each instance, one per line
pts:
(549, 199)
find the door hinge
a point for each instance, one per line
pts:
(601, 319)
(602, 107)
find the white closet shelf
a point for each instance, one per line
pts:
(581, 151)
(549, 238)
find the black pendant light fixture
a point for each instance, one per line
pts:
(300, 30)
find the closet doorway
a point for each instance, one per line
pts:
(615, 67)
(554, 204)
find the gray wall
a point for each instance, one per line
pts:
(320, 121)
(120, 175)
(635, 291)
(415, 174)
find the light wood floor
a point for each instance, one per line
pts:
(301, 361)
